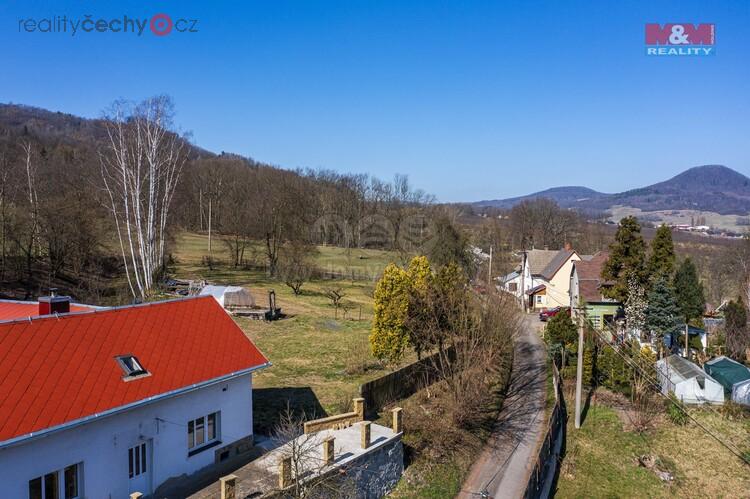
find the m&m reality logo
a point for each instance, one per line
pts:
(680, 39)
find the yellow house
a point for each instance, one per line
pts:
(546, 277)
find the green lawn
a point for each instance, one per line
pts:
(600, 459)
(190, 248)
(320, 355)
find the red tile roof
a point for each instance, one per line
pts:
(589, 277)
(56, 370)
(12, 309)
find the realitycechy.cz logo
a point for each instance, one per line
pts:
(680, 39)
(159, 24)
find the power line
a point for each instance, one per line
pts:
(679, 406)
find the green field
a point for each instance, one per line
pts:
(600, 459)
(320, 355)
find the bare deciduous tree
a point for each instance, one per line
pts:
(140, 167)
(310, 479)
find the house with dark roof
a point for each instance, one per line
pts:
(587, 290)
(545, 277)
(107, 402)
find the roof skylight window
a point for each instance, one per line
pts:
(131, 366)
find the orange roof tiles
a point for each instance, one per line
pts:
(55, 370)
(11, 309)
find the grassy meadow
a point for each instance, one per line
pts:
(600, 459)
(320, 355)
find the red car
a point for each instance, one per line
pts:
(545, 314)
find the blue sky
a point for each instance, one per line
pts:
(473, 100)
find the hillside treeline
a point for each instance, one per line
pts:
(57, 228)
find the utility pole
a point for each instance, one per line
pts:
(489, 272)
(687, 345)
(579, 370)
(209, 226)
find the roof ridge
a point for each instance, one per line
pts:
(99, 310)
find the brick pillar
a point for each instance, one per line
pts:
(365, 434)
(136, 495)
(328, 451)
(228, 487)
(397, 424)
(285, 472)
(359, 408)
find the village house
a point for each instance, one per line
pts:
(106, 402)
(587, 291)
(543, 279)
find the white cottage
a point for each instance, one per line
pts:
(105, 403)
(687, 381)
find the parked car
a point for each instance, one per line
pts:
(547, 313)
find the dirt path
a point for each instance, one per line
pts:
(503, 468)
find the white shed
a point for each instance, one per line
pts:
(688, 382)
(230, 297)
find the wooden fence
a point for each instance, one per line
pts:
(548, 459)
(401, 383)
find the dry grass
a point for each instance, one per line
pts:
(601, 456)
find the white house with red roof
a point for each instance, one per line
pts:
(101, 403)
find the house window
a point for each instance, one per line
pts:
(538, 299)
(137, 460)
(131, 367)
(49, 486)
(203, 431)
(512, 287)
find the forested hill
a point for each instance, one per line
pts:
(54, 126)
(56, 221)
(713, 188)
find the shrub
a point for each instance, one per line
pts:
(561, 331)
(676, 411)
(613, 372)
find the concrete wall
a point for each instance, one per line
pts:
(376, 473)
(102, 446)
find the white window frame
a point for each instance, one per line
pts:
(61, 482)
(138, 461)
(192, 431)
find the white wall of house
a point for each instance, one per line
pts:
(574, 290)
(102, 445)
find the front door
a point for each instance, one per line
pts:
(139, 467)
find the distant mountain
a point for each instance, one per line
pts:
(564, 196)
(713, 188)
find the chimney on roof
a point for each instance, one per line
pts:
(568, 247)
(54, 304)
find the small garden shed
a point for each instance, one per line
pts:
(230, 297)
(733, 376)
(689, 383)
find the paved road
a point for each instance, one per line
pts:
(504, 467)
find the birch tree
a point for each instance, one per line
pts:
(141, 166)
